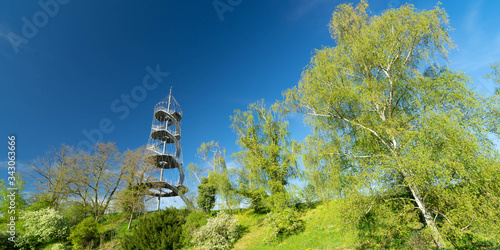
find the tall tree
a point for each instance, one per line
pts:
(52, 173)
(98, 176)
(393, 129)
(206, 195)
(214, 168)
(138, 172)
(268, 155)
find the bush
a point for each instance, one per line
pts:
(162, 230)
(5, 243)
(220, 232)
(206, 195)
(84, 234)
(42, 201)
(194, 221)
(41, 227)
(58, 246)
(281, 223)
(76, 213)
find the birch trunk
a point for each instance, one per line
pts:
(130, 220)
(436, 236)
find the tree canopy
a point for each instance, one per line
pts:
(268, 156)
(395, 127)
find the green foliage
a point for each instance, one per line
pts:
(257, 198)
(42, 201)
(162, 230)
(195, 220)
(495, 75)
(5, 198)
(5, 243)
(220, 232)
(388, 121)
(206, 195)
(58, 246)
(214, 166)
(84, 234)
(41, 227)
(400, 221)
(76, 213)
(281, 223)
(268, 156)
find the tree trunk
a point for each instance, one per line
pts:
(131, 217)
(436, 236)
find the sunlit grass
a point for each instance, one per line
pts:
(323, 230)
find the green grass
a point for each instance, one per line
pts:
(322, 231)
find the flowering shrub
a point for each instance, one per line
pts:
(220, 232)
(42, 226)
(282, 223)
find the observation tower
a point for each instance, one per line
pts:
(164, 151)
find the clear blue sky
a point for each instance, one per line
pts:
(65, 75)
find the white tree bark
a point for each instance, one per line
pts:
(436, 236)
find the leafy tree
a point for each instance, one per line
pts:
(495, 75)
(206, 195)
(139, 171)
(91, 178)
(98, 176)
(214, 160)
(52, 173)
(214, 167)
(268, 156)
(162, 230)
(393, 128)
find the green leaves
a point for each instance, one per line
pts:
(162, 230)
(268, 156)
(389, 121)
(206, 195)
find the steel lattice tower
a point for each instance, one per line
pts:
(165, 151)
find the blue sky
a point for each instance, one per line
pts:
(76, 68)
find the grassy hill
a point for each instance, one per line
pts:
(321, 231)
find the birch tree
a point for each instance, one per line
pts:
(213, 167)
(395, 130)
(268, 156)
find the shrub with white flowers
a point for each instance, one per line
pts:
(42, 226)
(220, 232)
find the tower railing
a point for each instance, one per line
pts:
(165, 150)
